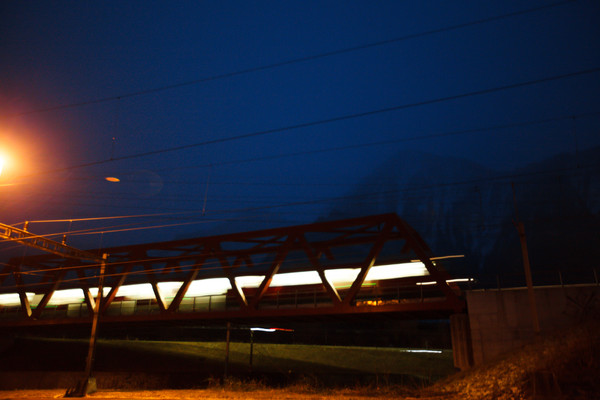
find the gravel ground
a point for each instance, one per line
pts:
(209, 394)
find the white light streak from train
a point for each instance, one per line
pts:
(220, 286)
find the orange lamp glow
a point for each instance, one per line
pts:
(2, 162)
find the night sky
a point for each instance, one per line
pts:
(257, 114)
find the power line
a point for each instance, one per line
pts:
(293, 61)
(307, 202)
(343, 148)
(360, 198)
(206, 265)
(390, 141)
(435, 185)
(128, 227)
(175, 198)
(98, 218)
(331, 120)
(504, 177)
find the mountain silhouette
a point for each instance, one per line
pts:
(461, 207)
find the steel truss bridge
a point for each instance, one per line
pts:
(361, 266)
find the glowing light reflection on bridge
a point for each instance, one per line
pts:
(220, 286)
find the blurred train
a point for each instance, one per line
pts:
(384, 284)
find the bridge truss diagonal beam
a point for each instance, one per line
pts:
(357, 244)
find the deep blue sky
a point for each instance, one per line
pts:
(67, 53)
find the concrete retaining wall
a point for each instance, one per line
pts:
(500, 320)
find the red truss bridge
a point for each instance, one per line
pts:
(374, 264)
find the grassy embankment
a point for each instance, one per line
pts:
(561, 365)
(277, 364)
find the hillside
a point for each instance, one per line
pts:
(460, 207)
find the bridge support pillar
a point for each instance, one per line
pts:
(462, 348)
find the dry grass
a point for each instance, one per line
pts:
(207, 394)
(564, 365)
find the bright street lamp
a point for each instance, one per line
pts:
(2, 162)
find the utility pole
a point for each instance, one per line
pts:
(227, 338)
(525, 254)
(251, 348)
(23, 236)
(89, 384)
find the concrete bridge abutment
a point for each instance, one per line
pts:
(499, 320)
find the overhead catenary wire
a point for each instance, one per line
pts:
(98, 218)
(358, 199)
(294, 60)
(389, 141)
(343, 148)
(192, 211)
(105, 231)
(505, 177)
(329, 120)
(401, 189)
(207, 266)
(496, 224)
(330, 149)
